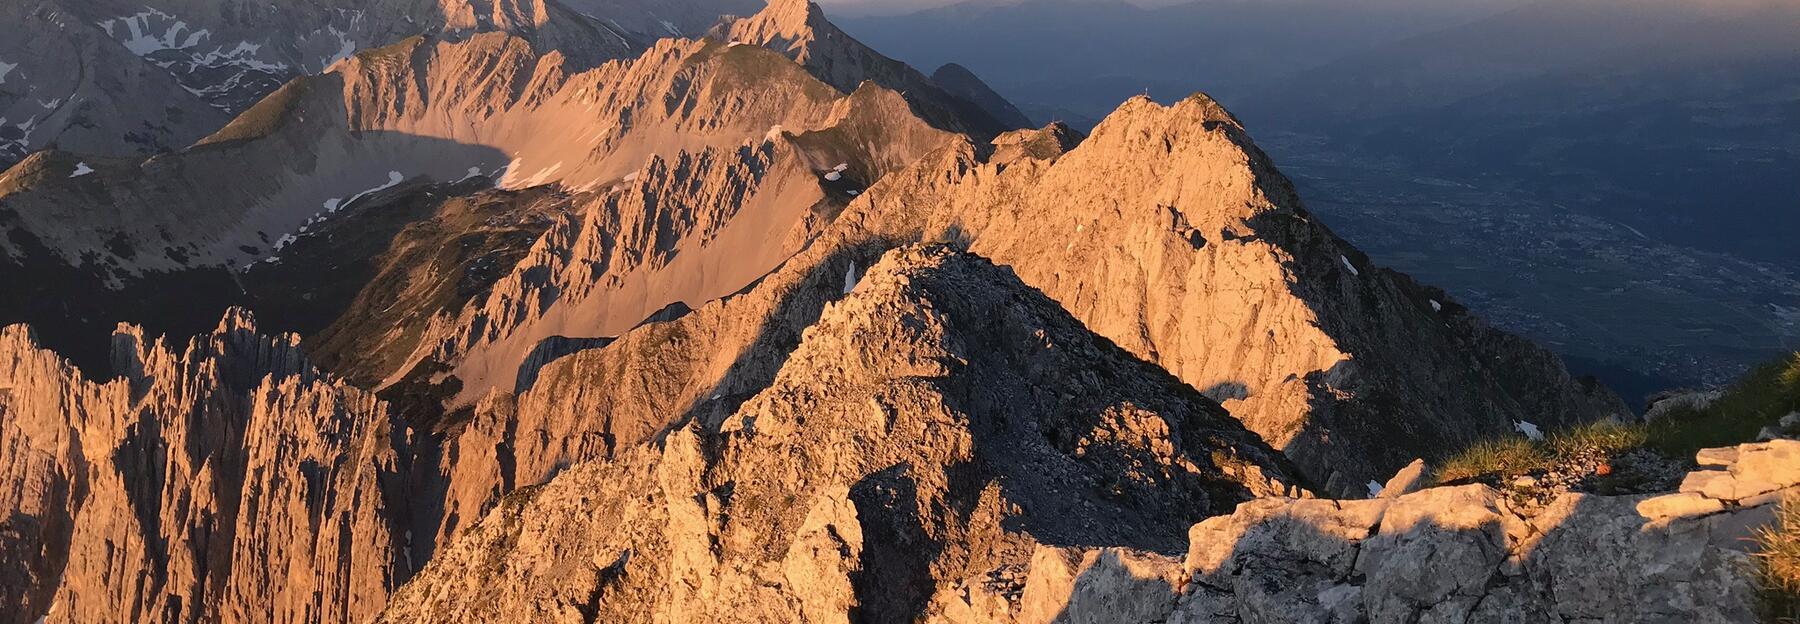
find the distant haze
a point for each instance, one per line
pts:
(900, 7)
(896, 7)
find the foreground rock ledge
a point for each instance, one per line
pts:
(1456, 554)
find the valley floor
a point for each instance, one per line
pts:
(1640, 314)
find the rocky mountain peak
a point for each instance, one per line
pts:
(1178, 239)
(887, 441)
(1198, 109)
(799, 30)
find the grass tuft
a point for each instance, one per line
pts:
(1778, 565)
(1516, 456)
(1759, 400)
(1506, 458)
(1606, 437)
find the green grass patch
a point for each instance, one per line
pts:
(1516, 456)
(1777, 570)
(1759, 400)
(1504, 458)
(1605, 437)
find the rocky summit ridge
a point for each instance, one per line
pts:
(126, 78)
(929, 430)
(605, 310)
(1170, 233)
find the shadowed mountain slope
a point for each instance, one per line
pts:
(929, 430)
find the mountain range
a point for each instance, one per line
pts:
(1655, 136)
(530, 311)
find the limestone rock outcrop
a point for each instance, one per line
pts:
(221, 480)
(1455, 554)
(936, 425)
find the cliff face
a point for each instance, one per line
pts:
(934, 425)
(223, 480)
(1169, 233)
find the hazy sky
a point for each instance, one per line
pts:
(892, 7)
(868, 7)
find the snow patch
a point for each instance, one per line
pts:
(543, 175)
(1347, 265)
(1530, 430)
(834, 176)
(1375, 488)
(850, 278)
(394, 179)
(841, 167)
(81, 169)
(670, 26)
(143, 37)
(243, 56)
(774, 133)
(1436, 307)
(22, 143)
(331, 206)
(334, 38)
(6, 68)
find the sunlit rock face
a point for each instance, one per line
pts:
(582, 325)
(1168, 232)
(931, 429)
(1462, 553)
(222, 479)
